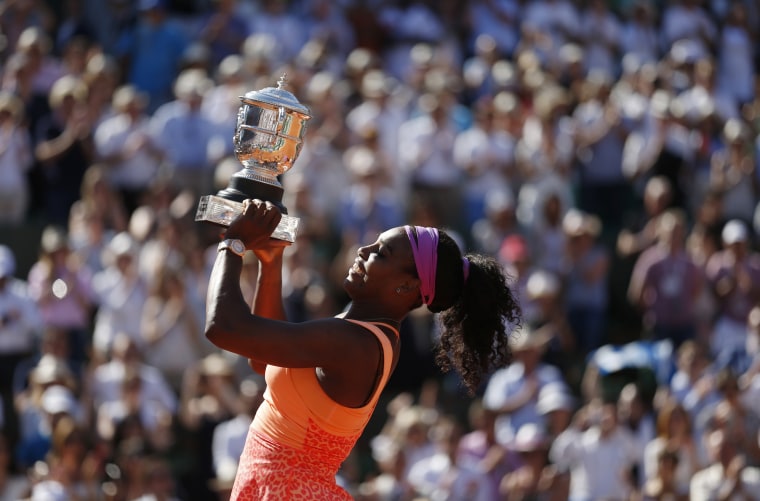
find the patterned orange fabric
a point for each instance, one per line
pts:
(300, 436)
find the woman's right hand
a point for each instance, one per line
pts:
(254, 226)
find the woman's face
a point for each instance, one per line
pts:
(383, 266)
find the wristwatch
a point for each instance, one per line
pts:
(232, 244)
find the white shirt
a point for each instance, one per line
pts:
(508, 385)
(15, 158)
(438, 479)
(706, 484)
(425, 150)
(21, 322)
(108, 378)
(113, 136)
(121, 302)
(596, 465)
(485, 156)
(229, 440)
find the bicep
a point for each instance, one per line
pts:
(320, 343)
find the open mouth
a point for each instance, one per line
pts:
(358, 269)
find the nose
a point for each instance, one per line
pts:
(361, 252)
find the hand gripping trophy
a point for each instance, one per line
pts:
(268, 138)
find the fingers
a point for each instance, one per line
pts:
(260, 208)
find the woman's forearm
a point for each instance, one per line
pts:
(268, 299)
(227, 313)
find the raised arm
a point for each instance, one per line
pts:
(268, 296)
(232, 326)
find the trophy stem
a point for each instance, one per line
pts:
(241, 188)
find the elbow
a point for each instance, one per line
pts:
(215, 332)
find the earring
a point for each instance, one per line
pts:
(398, 290)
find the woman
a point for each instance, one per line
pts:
(324, 376)
(674, 433)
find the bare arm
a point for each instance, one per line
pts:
(232, 326)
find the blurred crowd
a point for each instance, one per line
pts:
(606, 152)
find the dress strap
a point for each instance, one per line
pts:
(387, 352)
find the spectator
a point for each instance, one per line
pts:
(636, 416)
(535, 477)
(150, 52)
(159, 481)
(425, 147)
(557, 406)
(498, 225)
(98, 197)
(229, 436)
(485, 155)
(640, 38)
(687, 20)
(367, 205)
(282, 27)
(171, 327)
(124, 146)
(585, 275)
(674, 436)
(19, 330)
(600, 30)
(733, 173)
(62, 289)
(183, 134)
(125, 358)
(667, 284)
(221, 104)
(736, 55)
(64, 147)
(603, 446)
(12, 485)
(132, 402)
(224, 30)
(53, 404)
(15, 160)
(441, 474)
(664, 483)
(512, 392)
(727, 475)
(734, 275)
(66, 476)
(600, 137)
(547, 235)
(122, 294)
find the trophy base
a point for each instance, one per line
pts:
(221, 211)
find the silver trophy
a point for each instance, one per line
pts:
(268, 138)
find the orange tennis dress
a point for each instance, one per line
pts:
(300, 436)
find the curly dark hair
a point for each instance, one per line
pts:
(476, 316)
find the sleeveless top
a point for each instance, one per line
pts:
(300, 437)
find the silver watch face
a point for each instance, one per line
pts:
(237, 246)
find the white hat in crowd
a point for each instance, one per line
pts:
(734, 231)
(530, 437)
(59, 399)
(554, 397)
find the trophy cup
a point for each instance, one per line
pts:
(268, 138)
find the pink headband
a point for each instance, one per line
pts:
(425, 252)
